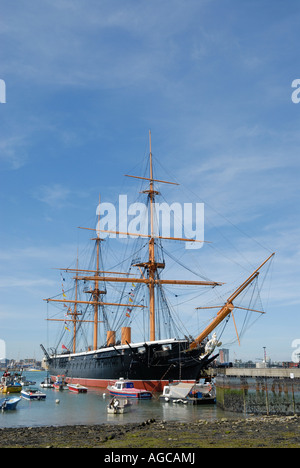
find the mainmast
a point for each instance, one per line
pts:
(152, 266)
(96, 293)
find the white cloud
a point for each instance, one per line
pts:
(7, 282)
(12, 153)
(58, 195)
(94, 44)
(55, 195)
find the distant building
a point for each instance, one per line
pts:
(223, 355)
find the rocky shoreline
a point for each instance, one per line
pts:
(252, 432)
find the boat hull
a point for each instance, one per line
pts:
(140, 395)
(123, 408)
(9, 404)
(77, 388)
(149, 365)
(36, 397)
(12, 389)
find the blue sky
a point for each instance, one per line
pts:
(85, 81)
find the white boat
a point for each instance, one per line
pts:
(24, 382)
(77, 388)
(47, 383)
(118, 406)
(197, 393)
(33, 394)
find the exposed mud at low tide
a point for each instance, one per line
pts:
(264, 432)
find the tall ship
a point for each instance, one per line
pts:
(108, 302)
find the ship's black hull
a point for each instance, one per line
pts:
(149, 365)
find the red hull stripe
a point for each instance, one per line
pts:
(149, 385)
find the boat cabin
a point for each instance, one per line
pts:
(122, 384)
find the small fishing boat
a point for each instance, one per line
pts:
(24, 382)
(60, 383)
(77, 388)
(125, 388)
(119, 406)
(8, 384)
(47, 383)
(9, 404)
(33, 393)
(198, 393)
(11, 388)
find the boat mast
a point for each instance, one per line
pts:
(96, 292)
(152, 263)
(75, 311)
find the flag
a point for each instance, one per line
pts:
(127, 315)
(130, 300)
(63, 347)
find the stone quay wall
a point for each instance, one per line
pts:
(259, 391)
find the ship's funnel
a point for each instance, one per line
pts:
(126, 335)
(111, 338)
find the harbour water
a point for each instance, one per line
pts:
(90, 409)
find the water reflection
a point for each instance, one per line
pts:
(90, 408)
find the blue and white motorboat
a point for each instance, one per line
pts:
(33, 393)
(9, 404)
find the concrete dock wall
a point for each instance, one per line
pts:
(259, 391)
